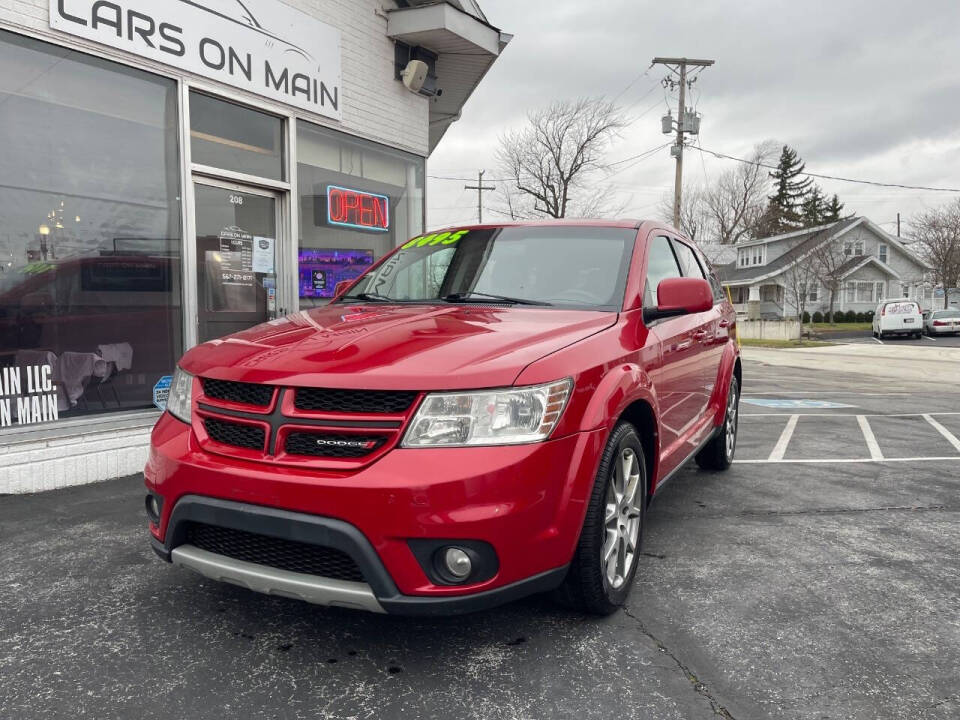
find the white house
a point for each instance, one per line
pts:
(879, 266)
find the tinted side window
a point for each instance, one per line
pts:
(688, 260)
(661, 264)
(719, 295)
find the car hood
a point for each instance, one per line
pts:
(403, 347)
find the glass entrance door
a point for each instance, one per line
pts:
(237, 252)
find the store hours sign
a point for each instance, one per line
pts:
(262, 46)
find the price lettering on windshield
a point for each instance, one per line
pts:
(444, 238)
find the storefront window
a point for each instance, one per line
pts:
(90, 236)
(357, 201)
(231, 137)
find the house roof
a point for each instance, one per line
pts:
(859, 261)
(806, 241)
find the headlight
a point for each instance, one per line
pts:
(490, 417)
(178, 401)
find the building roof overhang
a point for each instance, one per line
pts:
(466, 45)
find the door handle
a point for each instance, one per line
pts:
(699, 334)
(725, 323)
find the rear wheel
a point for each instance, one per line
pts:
(605, 561)
(718, 453)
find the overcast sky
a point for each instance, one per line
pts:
(862, 89)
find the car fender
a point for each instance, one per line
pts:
(718, 399)
(619, 388)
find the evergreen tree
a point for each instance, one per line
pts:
(783, 212)
(832, 210)
(813, 208)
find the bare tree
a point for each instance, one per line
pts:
(696, 222)
(800, 278)
(552, 160)
(738, 198)
(828, 260)
(937, 232)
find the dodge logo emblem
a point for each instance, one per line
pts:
(365, 444)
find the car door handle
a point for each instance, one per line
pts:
(699, 334)
(725, 323)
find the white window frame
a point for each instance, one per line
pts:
(883, 252)
(853, 287)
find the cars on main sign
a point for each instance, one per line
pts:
(941, 322)
(897, 317)
(484, 414)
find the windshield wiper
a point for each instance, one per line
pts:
(474, 296)
(370, 297)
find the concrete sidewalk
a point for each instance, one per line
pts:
(917, 363)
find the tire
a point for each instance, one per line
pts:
(880, 335)
(718, 453)
(593, 586)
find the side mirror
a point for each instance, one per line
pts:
(680, 296)
(341, 287)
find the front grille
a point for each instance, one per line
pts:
(316, 444)
(274, 552)
(353, 401)
(238, 392)
(236, 434)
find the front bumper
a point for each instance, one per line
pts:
(526, 501)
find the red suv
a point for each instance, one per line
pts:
(486, 413)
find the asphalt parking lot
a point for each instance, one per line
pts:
(867, 337)
(818, 578)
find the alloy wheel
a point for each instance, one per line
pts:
(622, 519)
(732, 413)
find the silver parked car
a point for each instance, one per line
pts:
(942, 322)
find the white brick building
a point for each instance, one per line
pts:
(172, 172)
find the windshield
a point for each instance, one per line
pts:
(580, 267)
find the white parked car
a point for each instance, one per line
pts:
(897, 317)
(942, 322)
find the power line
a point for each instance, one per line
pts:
(480, 187)
(828, 177)
(466, 179)
(632, 82)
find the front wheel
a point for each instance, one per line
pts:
(605, 561)
(718, 453)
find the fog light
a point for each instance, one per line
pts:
(153, 508)
(457, 562)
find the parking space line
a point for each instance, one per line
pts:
(869, 415)
(951, 438)
(878, 340)
(869, 438)
(821, 461)
(927, 337)
(781, 447)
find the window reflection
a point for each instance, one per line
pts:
(89, 225)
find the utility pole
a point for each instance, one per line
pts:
(686, 121)
(479, 187)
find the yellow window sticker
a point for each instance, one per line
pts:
(444, 238)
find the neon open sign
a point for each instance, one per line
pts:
(357, 209)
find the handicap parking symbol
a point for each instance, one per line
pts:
(794, 404)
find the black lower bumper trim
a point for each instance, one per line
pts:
(330, 532)
(461, 604)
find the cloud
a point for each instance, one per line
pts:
(855, 86)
